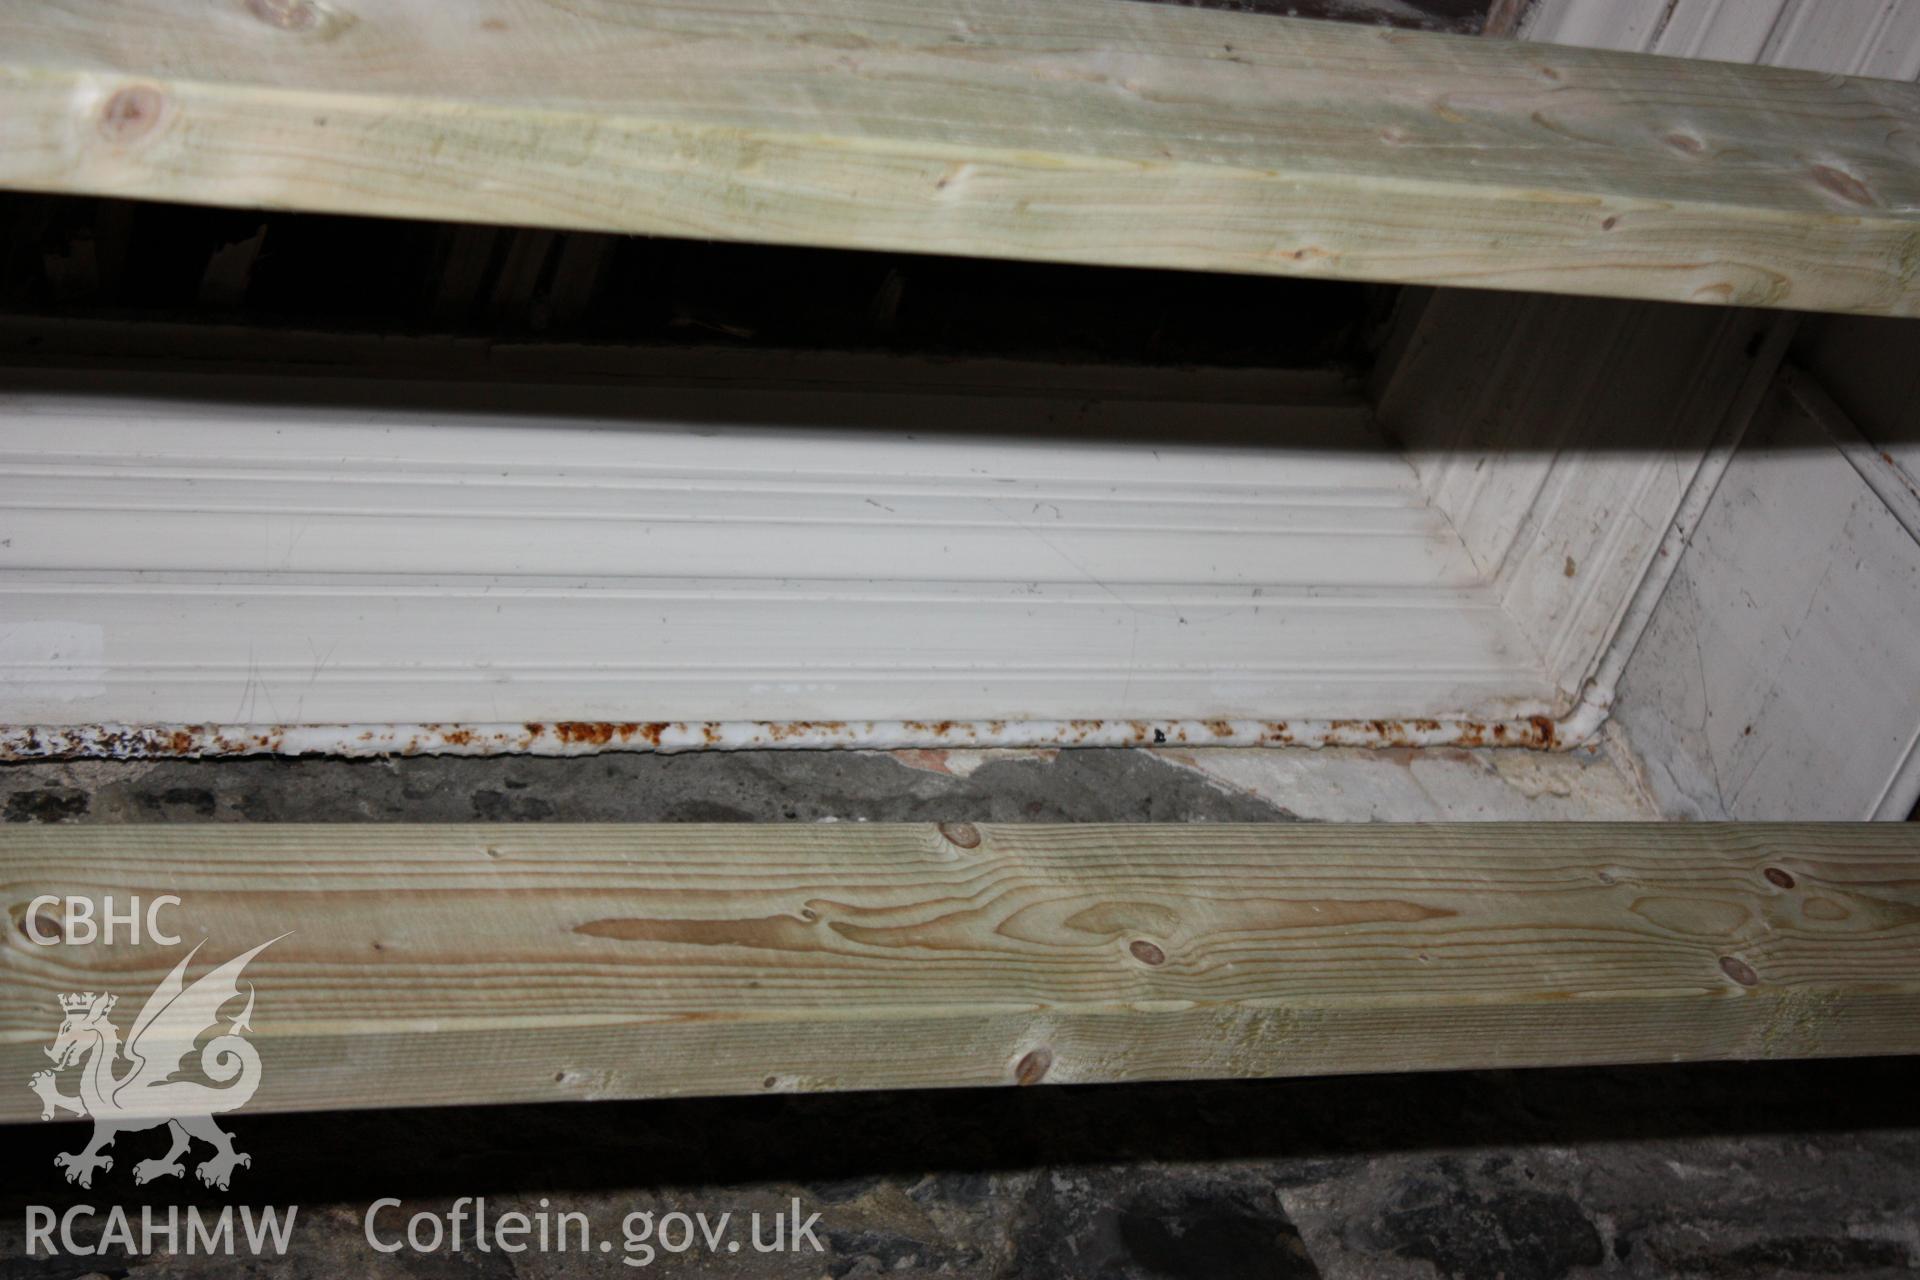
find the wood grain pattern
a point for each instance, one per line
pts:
(480, 964)
(1087, 131)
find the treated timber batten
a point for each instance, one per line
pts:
(465, 964)
(1090, 131)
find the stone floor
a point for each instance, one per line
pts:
(1717, 1170)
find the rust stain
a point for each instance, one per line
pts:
(781, 730)
(1536, 731)
(601, 733)
(925, 746)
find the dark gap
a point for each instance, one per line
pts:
(81, 258)
(813, 1138)
(1462, 17)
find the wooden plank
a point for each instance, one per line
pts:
(1090, 131)
(478, 964)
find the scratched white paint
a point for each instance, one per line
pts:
(51, 661)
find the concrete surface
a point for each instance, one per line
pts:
(1206, 785)
(1718, 1171)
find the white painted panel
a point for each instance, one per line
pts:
(665, 555)
(1861, 37)
(1605, 24)
(1780, 677)
(1854, 37)
(1736, 32)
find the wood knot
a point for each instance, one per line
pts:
(287, 15)
(1146, 953)
(131, 113)
(1843, 184)
(1776, 875)
(1686, 143)
(1740, 971)
(1033, 1066)
(964, 834)
(30, 922)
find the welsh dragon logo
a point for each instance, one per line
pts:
(147, 1094)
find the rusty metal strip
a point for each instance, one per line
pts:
(584, 737)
